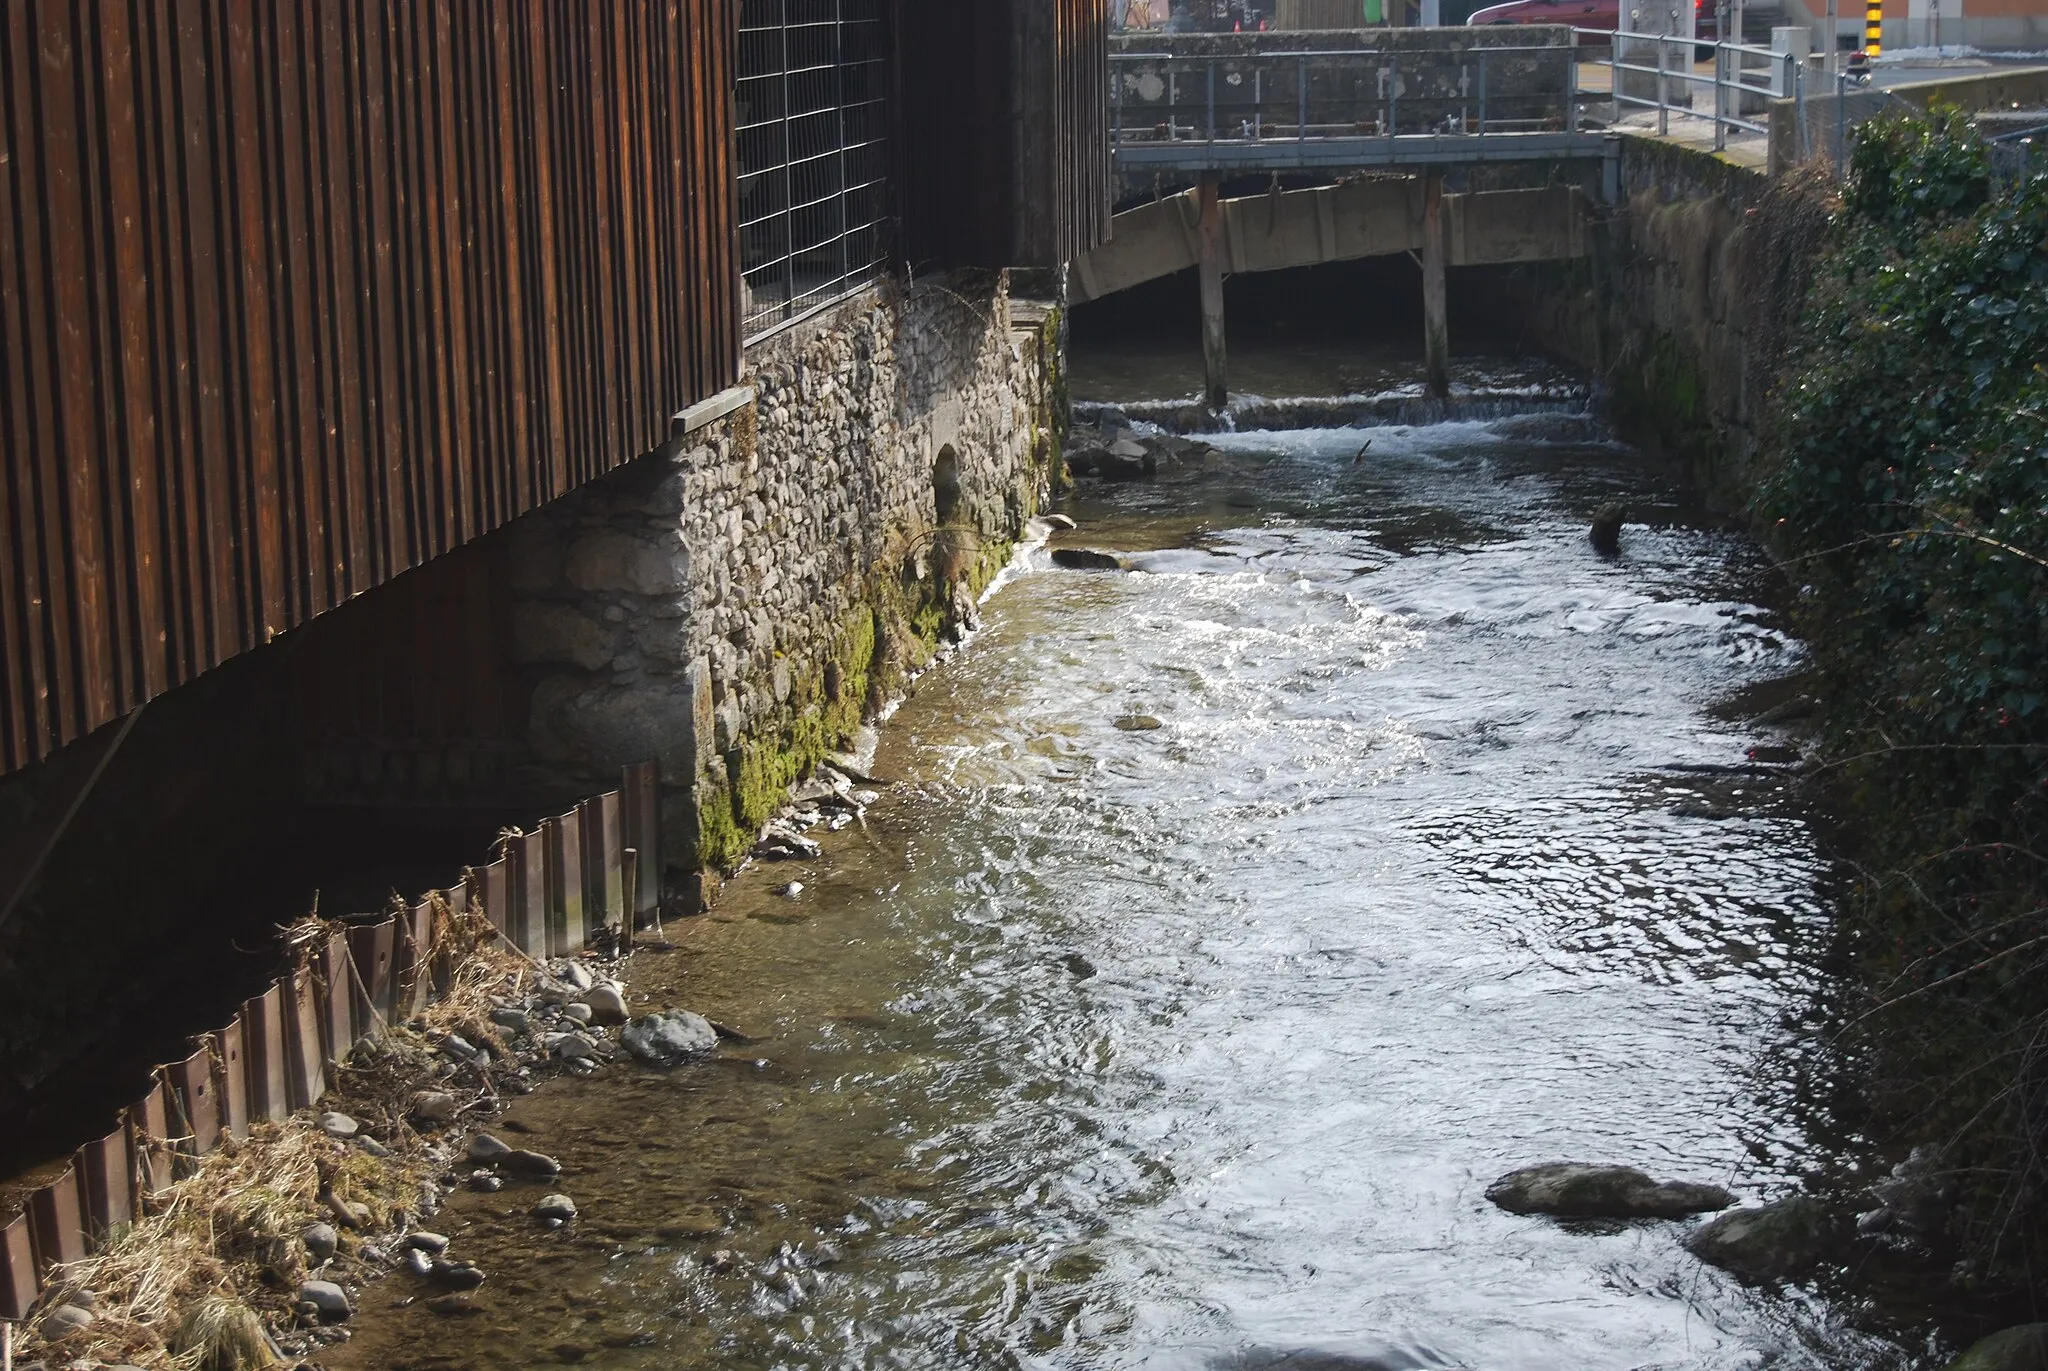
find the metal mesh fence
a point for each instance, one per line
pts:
(812, 93)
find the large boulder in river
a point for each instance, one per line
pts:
(1587, 1191)
(671, 1036)
(1770, 1242)
(1086, 559)
(2024, 1348)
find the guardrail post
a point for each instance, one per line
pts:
(1482, 92)
(1720, 95)
(1301, 98)
(1663, 105)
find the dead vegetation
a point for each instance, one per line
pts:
(208, 1278)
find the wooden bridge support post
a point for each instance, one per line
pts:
(1209, 236)
(1436, 331)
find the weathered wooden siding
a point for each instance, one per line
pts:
(297, 294)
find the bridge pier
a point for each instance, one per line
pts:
(1209, 238)
(1436, 332)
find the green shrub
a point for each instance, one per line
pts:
(1909, 480)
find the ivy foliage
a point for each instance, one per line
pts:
(1909, 482)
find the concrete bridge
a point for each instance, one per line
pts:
(1300, 228)
(1190, 109)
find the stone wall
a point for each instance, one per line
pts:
(735, 603)
(1682, 313)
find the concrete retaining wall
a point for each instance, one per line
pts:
(736, 602)
(1683, 310)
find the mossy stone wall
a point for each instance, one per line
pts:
(736, 603)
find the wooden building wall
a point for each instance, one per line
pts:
(298, 294)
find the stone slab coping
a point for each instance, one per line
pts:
(714, 408)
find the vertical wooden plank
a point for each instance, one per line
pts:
(141, 493)
(195, 1114)
(71, 448)
(305, 1052)
(338, 1022)
(269, 1055)
(250, 281)
(231, 1079)
(56, 1221)
(149, 1138)
(370, 945)
(109, 1172)
(566, 931)
(19, 1278)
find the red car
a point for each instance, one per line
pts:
(1587, 14)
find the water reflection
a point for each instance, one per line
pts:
(1195, 1047)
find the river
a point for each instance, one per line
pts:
(1101, 1044)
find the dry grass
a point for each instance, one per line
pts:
(217, 1259)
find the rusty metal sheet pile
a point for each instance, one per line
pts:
(355, 979)
(297, 295)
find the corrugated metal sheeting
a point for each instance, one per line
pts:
(1004, 131)
(297, 294)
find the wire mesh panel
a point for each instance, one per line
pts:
(813, 111)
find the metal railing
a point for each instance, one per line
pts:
(1743, 80)
(1295, 97)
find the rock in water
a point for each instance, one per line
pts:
(521, 1162)
(1770, 1242)
(457, 1275)
(485, 1148)
(1587, 1191)
(2024, 1348)
(1606, 531)
(1086, 559)
(558, 1207)
(671, 1036)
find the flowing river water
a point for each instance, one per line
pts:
(1101, 1044)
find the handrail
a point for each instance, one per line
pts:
(1254, 110)
(1783, 74)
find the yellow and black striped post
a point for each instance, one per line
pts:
(1873, 27)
